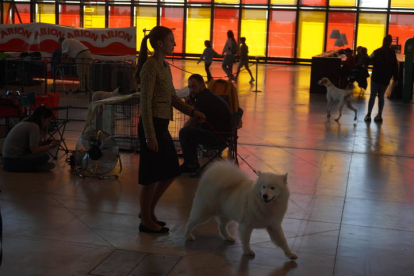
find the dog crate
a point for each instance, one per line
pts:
(121, 120)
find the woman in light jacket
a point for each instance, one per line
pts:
(158, 165)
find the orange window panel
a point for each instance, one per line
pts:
(313, 2)
(69, 15)
(345, 23)
(119, 17)
(401, 26)
(282, 34)
(224, 20)
(173, 18)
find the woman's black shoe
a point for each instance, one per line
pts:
(144, 229)
(159, 222)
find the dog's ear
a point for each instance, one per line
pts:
(285, 178)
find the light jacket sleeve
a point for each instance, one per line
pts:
(148, 82)
(179, 104)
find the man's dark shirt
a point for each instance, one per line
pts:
(385, 66)
(215, 109)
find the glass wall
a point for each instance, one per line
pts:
(344, 22)
(173, 18)
(16, 14)
(198, 29)
(283, 2)
(224, 20)
(69, 15)
(402, 3)
(311, 33)
(279, 30)
(145, 19)
(45, 13)
(401, 26)
(313, 2)
(371, 30)
(282, 28)
(94, 16)
(342, 3)
(119, 16)
(254, 29)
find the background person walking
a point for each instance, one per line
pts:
(244, 59)
(208, 56)
(229, 51)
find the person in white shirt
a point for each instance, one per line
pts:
(73, 49)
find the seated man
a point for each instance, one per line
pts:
(218, 115)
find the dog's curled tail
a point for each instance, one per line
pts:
(224, 172)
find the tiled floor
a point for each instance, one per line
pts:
(350, 213)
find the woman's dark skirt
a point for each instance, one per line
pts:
(161, 165)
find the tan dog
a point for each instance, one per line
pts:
(334, 94)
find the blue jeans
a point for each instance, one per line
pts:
(191, 137)
(27, 163)
(227, 64)
(377, 89)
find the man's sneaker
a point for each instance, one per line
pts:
(367, 118)
(378, 118)
(251, 80)
(46, 167)
(185, 169)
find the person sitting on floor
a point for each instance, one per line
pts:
(218, 119)
(24, 149)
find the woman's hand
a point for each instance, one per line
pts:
(200, 117)
(54, 144)
(152, 144)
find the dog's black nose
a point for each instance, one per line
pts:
(265, 196)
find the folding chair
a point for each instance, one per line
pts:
(27, 104)
(9, 108)
(57, 129)
(229, 141)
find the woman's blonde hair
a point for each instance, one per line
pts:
(156, 34)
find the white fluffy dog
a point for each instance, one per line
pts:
(333, 94)
(227, 193)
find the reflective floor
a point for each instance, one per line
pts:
(350, 213)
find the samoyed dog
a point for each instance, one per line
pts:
(227, 193)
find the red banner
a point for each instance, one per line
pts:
(43, 37)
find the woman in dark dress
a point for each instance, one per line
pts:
(158, 159)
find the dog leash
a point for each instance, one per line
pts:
(227, 144)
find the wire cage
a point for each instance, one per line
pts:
(121, 120)
(105, 76)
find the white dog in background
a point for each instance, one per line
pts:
(335, 94)
(227, 193)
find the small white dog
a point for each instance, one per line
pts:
(335, 94)
(227, 193)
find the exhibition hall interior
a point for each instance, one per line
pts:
(350, 210)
